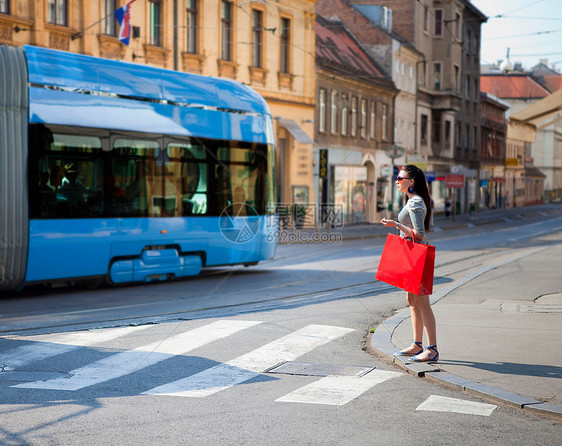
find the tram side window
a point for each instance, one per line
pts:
(189, 165)
(64, 170)
(141, 169)
(241, 180)
(160, 181)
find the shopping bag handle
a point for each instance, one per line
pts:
(415, 240)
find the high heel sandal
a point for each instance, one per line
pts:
(429, 358)
(404, 353)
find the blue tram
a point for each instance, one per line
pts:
(128, 173)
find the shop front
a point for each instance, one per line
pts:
(352, 193)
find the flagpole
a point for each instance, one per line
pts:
(80, 33)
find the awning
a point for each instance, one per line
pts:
(532, 171)
(296, 131)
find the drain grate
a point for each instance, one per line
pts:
(311, 369)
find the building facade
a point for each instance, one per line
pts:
(353, 122)
(447, 33)
(523, 179)
(401, 62)
(492, 149)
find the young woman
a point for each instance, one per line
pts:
(413, 221)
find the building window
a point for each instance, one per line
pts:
(448, 134)
(192, 17)
(154, 25)
(467, 137)
(475, 137)
(373, 135)
(344, 115)
(285, 45)
(457, 29)
(353, 116)
(322, 111)
(475, 91)
(437, 130)
(438, 22)
(4, 7)
(363, 126)
(257, 38)
(425, 18)
(437, 76)
(334, 112)
(457, 78)
(226, 30)
(56, 12)
(467, 87)
(411, 80)
(384, 123)
(109, 28)
(423, 130)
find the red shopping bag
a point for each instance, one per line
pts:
(407, 265)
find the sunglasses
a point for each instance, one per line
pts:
(400, 179)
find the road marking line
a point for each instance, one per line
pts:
(437, 403)
(46, 346)
(130, 361)
(252, 364)
(337, 390)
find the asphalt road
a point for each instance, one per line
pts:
(197, 361)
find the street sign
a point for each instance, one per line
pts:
(323, 163)
(430, 176)
(394, 151)
(455, 181)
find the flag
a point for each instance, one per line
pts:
(123, 16)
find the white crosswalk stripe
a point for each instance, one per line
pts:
(436, 403)
(130, 361)
(47, 346)
(250, 365)
(337, 390)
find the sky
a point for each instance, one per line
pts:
(532, 29)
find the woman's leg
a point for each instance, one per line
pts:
(417, 317)
(417, 329)
(428, 318)
(423, 306)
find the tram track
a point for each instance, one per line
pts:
(452, 264)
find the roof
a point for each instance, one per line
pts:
(367, 12)
(512, 86)
(539, 112)
(553, 83)
(337, 49)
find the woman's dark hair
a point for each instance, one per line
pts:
(420, 187)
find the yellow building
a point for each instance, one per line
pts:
(266, 45)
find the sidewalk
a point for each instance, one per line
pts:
(499, 331)
(440, 223)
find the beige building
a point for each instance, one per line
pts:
(266, 45)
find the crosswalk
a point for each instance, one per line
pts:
(329, 390)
